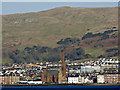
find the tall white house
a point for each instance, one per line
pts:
(72, 80)
(100, 79)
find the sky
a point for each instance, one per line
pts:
(25, 7)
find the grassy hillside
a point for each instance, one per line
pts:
(94, 51)
(45, 28)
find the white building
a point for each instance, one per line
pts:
(78, 71)
(34, 82)
(72, 80)
(81, 79)
(100, 79)
(88, 80)
(90, 69)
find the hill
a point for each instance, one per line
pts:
(45, 28)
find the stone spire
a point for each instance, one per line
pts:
(63, 66)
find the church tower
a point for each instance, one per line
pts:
(62, 72)
(63, 66)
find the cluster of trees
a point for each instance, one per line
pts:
(36, 53)
(112, 49)
(68, 41)
(77, 54)
(110, 31)
(112, 52)
(104, 35)
(39, 53)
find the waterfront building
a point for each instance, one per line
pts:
(9, 79)
(34, 82)
(100, 79)
(112, 78)
(81, 79)
(50, 76)
(73, 79)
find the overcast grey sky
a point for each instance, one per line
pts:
(25, 7)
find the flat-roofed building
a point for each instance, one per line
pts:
(9, 79)
(100, 79)
(112, 78)
(73, 79)
(89, 69)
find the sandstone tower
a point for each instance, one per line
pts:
(62, 72)
(63, 66)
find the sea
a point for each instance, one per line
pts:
(62, 88)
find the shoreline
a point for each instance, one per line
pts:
(58, 85)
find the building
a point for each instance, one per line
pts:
(62, 72)
(89, 69)
(89, 80)
(73, 80)
(9, 79)
(112, 78)
(81, 79)
(54, 75)
(63, 67)
(34, 82)
(115, 66)
(50, 76)
(100, 79)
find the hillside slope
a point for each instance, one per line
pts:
(45, 28)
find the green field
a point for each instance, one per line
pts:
(94, 51)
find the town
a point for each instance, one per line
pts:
(100, 71)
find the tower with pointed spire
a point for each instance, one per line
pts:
(63, 66)
(62, 71)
